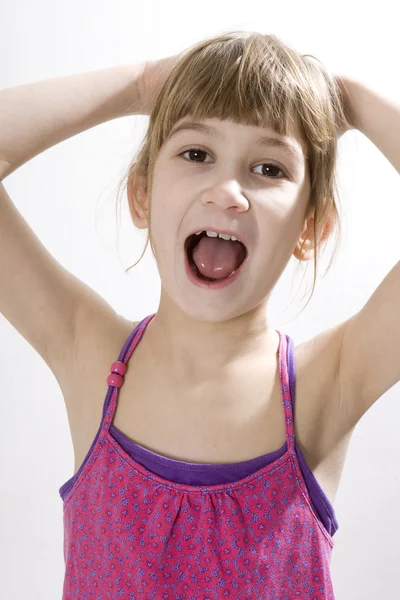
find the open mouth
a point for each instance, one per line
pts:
(238, 248)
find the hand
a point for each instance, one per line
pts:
(153, 77)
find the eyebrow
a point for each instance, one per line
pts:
(267, 141)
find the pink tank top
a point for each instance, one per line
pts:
(130, 533)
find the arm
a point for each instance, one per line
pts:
(50, 307)
(376, 116)
(369, 357)
(36, 116)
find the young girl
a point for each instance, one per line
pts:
(208, 447)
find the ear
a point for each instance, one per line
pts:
(305, 247)
(138, 206)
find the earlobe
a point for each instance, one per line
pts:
(305, 248)
(138, 206)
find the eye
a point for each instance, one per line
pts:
(200, 152)
(273, 167)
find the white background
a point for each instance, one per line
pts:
(68, 197)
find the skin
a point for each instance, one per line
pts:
(195, 331)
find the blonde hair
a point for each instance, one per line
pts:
(253, 79)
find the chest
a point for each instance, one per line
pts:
(215, 421)
(209, 422)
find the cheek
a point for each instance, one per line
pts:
(168, 209)
(164, 227)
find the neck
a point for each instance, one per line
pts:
(193, 350)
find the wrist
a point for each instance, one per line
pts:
(133, 96)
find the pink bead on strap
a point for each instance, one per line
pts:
(118, 370)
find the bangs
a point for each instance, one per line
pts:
(250, 79)
(237, 86)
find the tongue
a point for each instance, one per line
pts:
(217, 258)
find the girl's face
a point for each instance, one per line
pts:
(235, 183)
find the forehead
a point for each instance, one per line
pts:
(262, 136)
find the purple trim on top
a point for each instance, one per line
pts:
(320, 501)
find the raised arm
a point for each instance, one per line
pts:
(36, 116)
(43, 301)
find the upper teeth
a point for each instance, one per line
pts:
(224, 236)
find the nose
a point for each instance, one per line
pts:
(226, 195)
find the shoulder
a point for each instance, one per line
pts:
(322, 422)
(318, 368)
(100, 336)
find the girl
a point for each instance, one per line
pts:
(194, 476)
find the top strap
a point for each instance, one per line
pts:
(284, 365)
